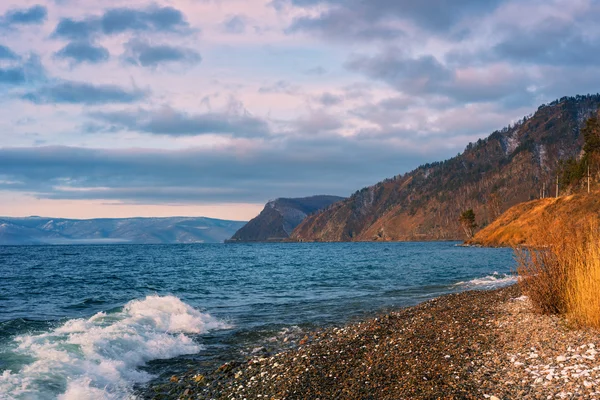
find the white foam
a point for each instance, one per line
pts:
(98, 358)
(493, 281)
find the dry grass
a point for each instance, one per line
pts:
(561, 272)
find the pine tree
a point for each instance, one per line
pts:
(467, 221)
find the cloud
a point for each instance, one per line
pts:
(344, 24)
(426, 76)
(552, 41)
(7, 54)
(382, 19)
(170, 122)
(22, 72)
(12, 76)
(328, 99)
(418, 81)
(24, 16)
(159, 19)
(145, 54)
(71, 29)
(80, 52)
(317, 122)
(295, 168)
(235, 24)
(280, 86)
(83, 93)
(398, 69)
(119, 20)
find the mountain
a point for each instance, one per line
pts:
(279, 218)
(38, 230)
(508, 167)
(521, 224)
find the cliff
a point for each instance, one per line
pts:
(279, 218)
(508, 167)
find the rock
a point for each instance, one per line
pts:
(503, 348)
(225, 367)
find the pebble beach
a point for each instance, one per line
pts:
(471, 345)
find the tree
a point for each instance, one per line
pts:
(572, 170)
(591, 136)
(467, 221)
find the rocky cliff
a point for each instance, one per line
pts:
(280, 217)
(508, 167)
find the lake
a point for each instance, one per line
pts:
(102, 321)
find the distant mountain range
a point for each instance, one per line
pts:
(280, 217)
(41, 230)
(508, 167)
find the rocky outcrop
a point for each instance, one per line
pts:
(280, 217)
(508, 167)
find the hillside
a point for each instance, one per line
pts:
(508, 167)
(37, 230)
(520, 224)
(280, 217)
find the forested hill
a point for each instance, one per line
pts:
(508, 167)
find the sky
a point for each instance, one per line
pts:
(212, 107)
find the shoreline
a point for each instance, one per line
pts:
(470, 345)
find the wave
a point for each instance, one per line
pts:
(493, 281)
(98, 358)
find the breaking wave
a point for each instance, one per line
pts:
(98, 358)
(493, 281)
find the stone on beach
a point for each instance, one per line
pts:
(471, 345)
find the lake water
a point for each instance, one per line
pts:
(81, 322)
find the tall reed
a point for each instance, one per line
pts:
(561, 273)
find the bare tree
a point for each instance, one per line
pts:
(494, 204)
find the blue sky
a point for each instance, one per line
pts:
(213, 107)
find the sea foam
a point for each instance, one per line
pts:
(98, 358)
(493, 281)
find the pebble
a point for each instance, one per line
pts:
(498, 346)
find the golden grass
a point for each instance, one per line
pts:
(519, 225)
(561, 272)
(583, 289)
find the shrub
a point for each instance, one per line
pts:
(561, 273)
